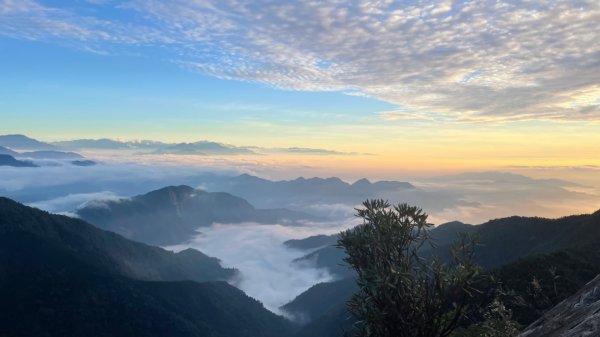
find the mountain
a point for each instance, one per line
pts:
(83, 162)
(109, 250)
(527, 236)
(442, 234)
(58, 278)
(328, 194)
(312, 242)
(322, 308)
(7, 151)
(532, 235)
(7, 160)
(557, 276)
(104, 143)
(577, 316)
(203, 148)
(320, 299)
(336, 322)
(327, 255)
(446, 233)
(171, 215)
(21, 142)
(50, 154)
(559, 255)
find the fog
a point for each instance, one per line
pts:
(71, 202)
(267, 273)
(470, 197)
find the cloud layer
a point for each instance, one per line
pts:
(457, 60)
(267, 273)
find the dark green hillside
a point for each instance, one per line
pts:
(558, 274)
(52, 285)
(320, 299)
(501, 241)
(331, 257)
(336, 322)
(537, 262)
(108, 250)
(508, 239)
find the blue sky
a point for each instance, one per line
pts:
(426, 84)
(62, 92)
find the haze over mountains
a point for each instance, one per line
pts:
(200, 148)
(8, 160)
(99, 260)
(122, 168)
(271, 239)
(171, 215)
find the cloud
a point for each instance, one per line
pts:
(267, 273)
(46, 183)
(70, 202)
(489, 195)
(464, 60)
(332, 211)
(307, 151)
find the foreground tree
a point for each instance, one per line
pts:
(403, 294)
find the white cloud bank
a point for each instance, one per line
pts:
(458, 60)
(267, 273)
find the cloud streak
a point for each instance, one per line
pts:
(457, 60)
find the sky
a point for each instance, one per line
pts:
(415, 86)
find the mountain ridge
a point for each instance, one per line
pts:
(110, 250)
(172, 214)
(53, 284)
(8, 160)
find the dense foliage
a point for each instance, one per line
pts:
(61, 277)
(400, 293)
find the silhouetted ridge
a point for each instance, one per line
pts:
(109, 250)
(62, 277)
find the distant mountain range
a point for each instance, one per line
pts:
(20, 146)
(8, 160)
(7, 151)
(302, 193)
(171, 215)
(62, 277)
(50, 154)
(106, 144)
(83, 162)
(21, 142)
(203, 147)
